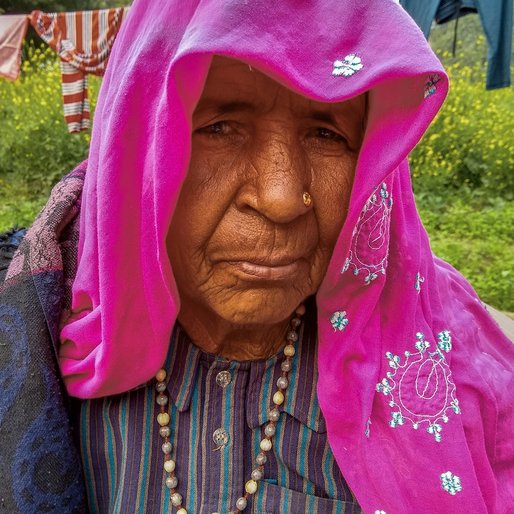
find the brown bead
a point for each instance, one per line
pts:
(300, 310)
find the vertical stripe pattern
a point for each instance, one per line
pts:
(121, 447)
(83, 41)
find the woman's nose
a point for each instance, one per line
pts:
(277, 177)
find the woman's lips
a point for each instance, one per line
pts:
(267, 271)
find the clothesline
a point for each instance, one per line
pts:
(83, 41)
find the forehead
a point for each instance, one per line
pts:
(231, 82)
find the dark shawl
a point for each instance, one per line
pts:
(40, 466)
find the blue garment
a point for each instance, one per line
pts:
(496, 18)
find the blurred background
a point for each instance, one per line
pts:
(463, 169)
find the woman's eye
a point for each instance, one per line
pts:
(330, 135)
(220, 128)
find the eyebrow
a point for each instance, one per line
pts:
(225, 107)
(324, 116)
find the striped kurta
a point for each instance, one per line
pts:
(121, 446)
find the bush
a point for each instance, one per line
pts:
(35, 146)
(470, 145)
(478, 242)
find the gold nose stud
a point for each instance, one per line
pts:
(307, 199)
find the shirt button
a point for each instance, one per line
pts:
(220, 437)
(223, 378)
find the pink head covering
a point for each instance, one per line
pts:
(413, 374)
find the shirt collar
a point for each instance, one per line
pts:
(301, 399)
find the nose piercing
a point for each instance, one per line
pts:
(307, 199)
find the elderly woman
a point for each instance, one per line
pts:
(244, 231)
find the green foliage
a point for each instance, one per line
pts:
(463, 170)
(26, 6)
(478, 242)
(470, 145)
(35, 146)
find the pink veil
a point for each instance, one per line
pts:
(414, 376)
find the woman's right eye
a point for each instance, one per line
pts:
(220, 128)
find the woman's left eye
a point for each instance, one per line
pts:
(330, 135)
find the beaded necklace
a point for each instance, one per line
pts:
(251, 486)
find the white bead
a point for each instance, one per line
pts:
(278, 398)
(292, 336)
(163, 418)
(282, 383)
(171, 482)
(160, 375)
(286, 366)
(261, 459)
(289, 350)
(274, 415)
(169, 466)
(182, 511)
(176, 499)
(256, 475)
(164, 431)
(251, 486)
(296, 322)
(241, 503)
(269, 430)
(265, 445)
(162, 399)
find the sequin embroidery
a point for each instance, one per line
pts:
(430, 85)
(451, 483)
(347, 67)
(339, 320)
(419, 281)
(369, 247)
(421, 389)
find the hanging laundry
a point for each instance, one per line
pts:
(83, 40)
(13, 28)
(496, 19)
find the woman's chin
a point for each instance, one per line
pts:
(258, 307)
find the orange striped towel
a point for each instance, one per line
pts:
(83, 40)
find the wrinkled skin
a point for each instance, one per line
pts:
(244, 247)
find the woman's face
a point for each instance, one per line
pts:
(243, 244)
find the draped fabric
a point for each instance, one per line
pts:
(40, 465)
(13, 28)
(83, 41)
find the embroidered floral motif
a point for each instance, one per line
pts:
(339, 320)
(350, 65)
(430, 85)
(451, 483)
(369, 247)
(419, 281)
(444, 341)
(421, 389)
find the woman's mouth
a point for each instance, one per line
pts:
(269, 271)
